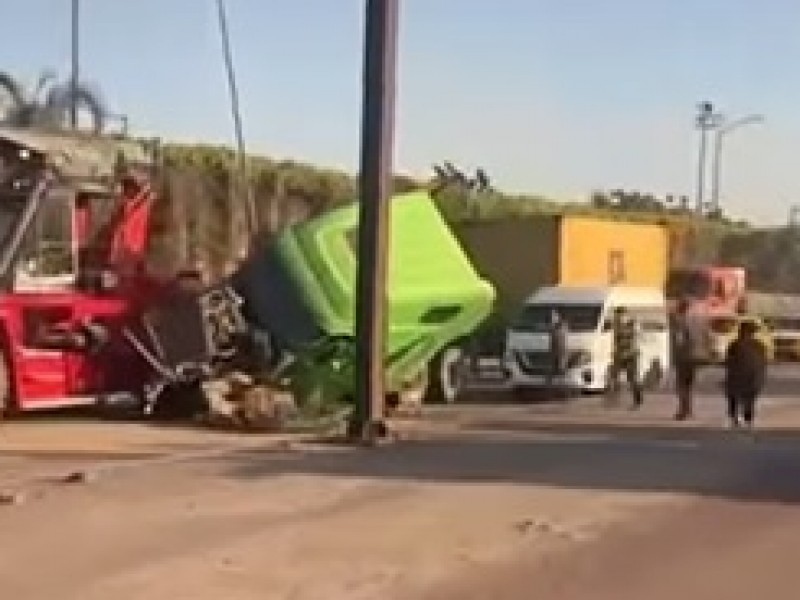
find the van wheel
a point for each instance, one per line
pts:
(654, 377)
(445, 381)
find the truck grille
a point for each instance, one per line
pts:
(533, 363)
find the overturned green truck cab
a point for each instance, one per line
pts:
(301, 293)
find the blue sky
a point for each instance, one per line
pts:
(551, 96)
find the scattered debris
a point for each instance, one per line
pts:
(536, 525)
(238, 401)
(524, 526)
(544, 527)
(11, 498)
(407, 404)
(81, 476)
(285, 445)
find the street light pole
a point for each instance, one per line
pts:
(794, 216)
(73, 114)
(245, 203)
(719, 136)
(377, 143)
(701, 160)
(706, 120)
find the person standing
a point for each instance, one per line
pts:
(625, 357)
(745, 375)
(691, 347)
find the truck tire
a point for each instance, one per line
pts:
(444, 385)
(6, 400)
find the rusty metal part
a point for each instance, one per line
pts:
(236, 401)
(79, 156)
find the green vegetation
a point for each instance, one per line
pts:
(199, 222)
(321, 189)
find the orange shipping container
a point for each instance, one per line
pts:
(522, 254)
(599, 252)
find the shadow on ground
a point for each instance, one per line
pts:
(556, 450)
(691, 460)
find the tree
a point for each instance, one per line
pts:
(600, 200)
(49, 103)
(287, 191)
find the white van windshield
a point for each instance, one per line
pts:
(580, 318)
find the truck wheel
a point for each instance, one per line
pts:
(6, 403)
(445, 376)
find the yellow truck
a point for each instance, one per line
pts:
(518, 255)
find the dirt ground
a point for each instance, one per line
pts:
(508, 501)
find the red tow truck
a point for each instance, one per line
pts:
(74, 222)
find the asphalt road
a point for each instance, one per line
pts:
(735, 538)
(492, 499)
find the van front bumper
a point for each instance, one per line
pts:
(585, 378)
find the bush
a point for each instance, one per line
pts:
(199, 221)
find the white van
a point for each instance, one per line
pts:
(588, 312)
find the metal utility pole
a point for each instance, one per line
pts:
(794, 216)
(244, 196)
(706, 120)
(377, 145)
(75, 63)
(722, 130)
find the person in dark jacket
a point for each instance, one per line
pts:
(691, 348)
(745, 374)
(625, 357)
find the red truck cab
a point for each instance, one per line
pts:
(710, 290)
(72, 244)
